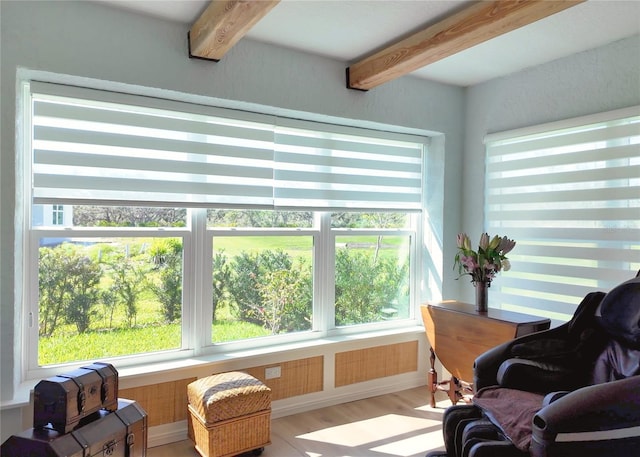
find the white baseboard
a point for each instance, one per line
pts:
(345, 394)
(167, 433)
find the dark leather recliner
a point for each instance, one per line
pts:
(570, 391)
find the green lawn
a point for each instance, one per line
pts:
(295, 246)
(97, 345)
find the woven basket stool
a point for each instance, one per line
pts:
(229, 414)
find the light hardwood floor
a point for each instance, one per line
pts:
(401, 424)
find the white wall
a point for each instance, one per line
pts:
(594, 81)
(101, 47)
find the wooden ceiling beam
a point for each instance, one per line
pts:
(478, 23)
(222, 25)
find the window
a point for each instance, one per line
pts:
(57, 215)
(262, 273)
(196, 228)
(372, 265)
(569, 194)
(107, 288)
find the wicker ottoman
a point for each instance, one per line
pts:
(229, 414)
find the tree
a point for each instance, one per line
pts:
(356, 301)
(84, 280)
(286, 301)
(382, 220)
(256, 218)
(166, 256)
(54, 287)
(365, 284)
(127, 216)
(109, 301)
(169, 290)
(128, 283)
(68, 286)
(249, 271)
(221, 278)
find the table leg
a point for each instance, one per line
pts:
(432, 378)
(454, 390)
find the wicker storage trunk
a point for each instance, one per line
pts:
(229, 414)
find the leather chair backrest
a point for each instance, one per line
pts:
(619, 316)
(620, 313)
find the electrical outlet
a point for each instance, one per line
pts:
(272, 372)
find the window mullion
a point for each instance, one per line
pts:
(198, 305)
(324, 275)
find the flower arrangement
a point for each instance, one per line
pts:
(484, 264)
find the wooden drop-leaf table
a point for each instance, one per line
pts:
(457, 334)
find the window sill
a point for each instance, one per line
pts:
(141, 375)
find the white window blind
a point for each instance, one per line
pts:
(93, 147)
(569, 194)
(324, 166)
(87, 150)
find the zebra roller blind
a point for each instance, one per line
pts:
(569, 194)
(95, 147)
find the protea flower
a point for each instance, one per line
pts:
(506, 245)
(484, 241)
(483, 265)
(464, 242)
(495, 241)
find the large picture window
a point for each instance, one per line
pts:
(569, 194)
(196, 228)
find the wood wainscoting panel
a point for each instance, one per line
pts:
(377, 362)
(164, 403)
(167, 402)
(297, 377)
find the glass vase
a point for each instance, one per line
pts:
(482, 296)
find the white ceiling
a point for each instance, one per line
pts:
(349, 30)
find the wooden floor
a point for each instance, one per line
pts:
(394, 425)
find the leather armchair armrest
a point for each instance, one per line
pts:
(485, 368)
(535, 376)
(603, 411)
(553, 396)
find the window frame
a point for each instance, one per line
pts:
(31, 307)
(196, 339)
(411, 233)
(197, 267)
(208, 346)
